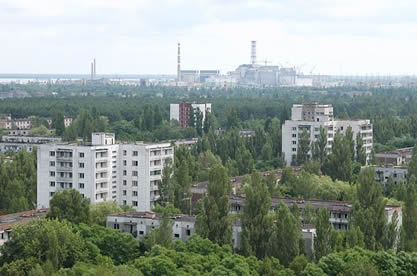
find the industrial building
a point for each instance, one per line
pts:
(103, 170)
(186, 77)
(258, 75)
(181, 112)
(311, 117)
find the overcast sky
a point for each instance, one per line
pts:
(141, 36)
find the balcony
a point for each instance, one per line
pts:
(64, 168)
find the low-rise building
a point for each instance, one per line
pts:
(340, 211)
(10, 143)
(139, 224)
(9, 221)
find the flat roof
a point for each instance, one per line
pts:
(153, 215)
(9, 221)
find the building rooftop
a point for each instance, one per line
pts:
(9, 221)
(153, 215)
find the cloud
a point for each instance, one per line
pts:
(140, 36)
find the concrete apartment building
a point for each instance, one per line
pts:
(393, 164)
(181, 112)
(311, 117)
(103, 170)
(139, 224)
(29, 143)
(340, 211)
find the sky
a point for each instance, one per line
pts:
(368, 37)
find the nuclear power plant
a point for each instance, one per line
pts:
(252, 74)
(192, 76)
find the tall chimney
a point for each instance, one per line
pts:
(179, 63)
(92, 71)
(253, 52)
(95, 75)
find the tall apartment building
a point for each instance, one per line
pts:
(103, 170)
(181, 112)
(311, 117)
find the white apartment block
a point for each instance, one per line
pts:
(311, 117)
(103, 170)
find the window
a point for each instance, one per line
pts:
(124, 172)
(124, 153)
(81, 154)
(51, 194)
(341, 128)
(124, 192)
(134, 193)
(124, 182)
(134, 203)
(116, 226)
(294, 135)
(134, 173)
(81, 175)
(81, 185)
(134, 183)
(52, 183)
(157, 172)
(177, 235)
(141, 232)
(294, 128)
(294, 142)
(124, 202)
(135, 163)
(135, 153)
(52, 163)
(188, 232)
(294, 149)
(81, 165)
(51, 173)
(52, 153)
(124, 162)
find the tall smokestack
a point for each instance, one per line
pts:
(253, 52)
(92, 71)
(179, 63)
(95, 76)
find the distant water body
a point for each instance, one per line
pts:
(26, 78)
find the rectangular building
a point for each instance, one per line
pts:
(103, 170)
(311, 117)
(181, 112)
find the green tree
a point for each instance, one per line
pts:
(213, 221)
(322, 244)
(360, 150)
(69, 205)
(163, 234)
(256, 224)
(58, 122)
(409, 239)
(98, 212)
(47, 240)
(303, 147)
(412, 165)
(166, 185)
(286, 235)
(338, 164)
(319, 147)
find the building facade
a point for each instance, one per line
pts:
(103, 171)
(311, 117)
(139, 224)
(181, 112)
(17, 143)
